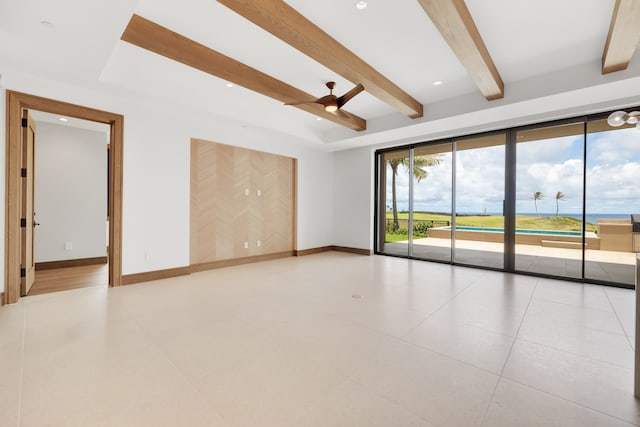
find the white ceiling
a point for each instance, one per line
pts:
(72, 122)
(541, 48)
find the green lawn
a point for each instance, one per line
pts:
(560, 223)
(390, 238)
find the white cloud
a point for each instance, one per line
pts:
(548, 150)
(548, 166)
(616, 147)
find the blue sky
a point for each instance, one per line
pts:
(548, 166)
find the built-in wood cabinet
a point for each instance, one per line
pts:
(242, 202)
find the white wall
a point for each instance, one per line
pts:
(156, 169)
(353, 188)
(70, 193)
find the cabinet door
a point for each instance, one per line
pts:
(278, 203)
(242, 202)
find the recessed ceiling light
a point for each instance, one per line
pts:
(63, 119)
(229, 84)
(361, 5)
(318, 118)
(47, 24)
(437, 83)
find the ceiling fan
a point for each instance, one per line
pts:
(331, 102)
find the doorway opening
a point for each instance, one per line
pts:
(20, 258)
(70, 234)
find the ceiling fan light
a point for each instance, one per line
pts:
(617, 118)
(633, 117)
(331, 108)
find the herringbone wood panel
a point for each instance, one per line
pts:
(237, 196)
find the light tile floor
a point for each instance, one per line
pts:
(325, 340)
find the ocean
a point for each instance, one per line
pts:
(590, 217)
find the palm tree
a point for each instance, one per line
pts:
(537, 196)
(419, 173)
(559, 197)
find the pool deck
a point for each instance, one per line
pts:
(628, 258)
(610, 266)
(539, 238)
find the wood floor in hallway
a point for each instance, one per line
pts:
(62, 279)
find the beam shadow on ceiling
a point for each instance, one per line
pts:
(150, 36)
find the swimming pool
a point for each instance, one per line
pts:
(518, 230)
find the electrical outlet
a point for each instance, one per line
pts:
(147, 255)
(246, 191)
(246, 245)
(258, 243)
(68, 246)
(259, 192)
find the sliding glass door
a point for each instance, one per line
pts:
(393, 202)
(549, 202)
(559, 199)
(479, 200)
(612, 202)
(432, 189)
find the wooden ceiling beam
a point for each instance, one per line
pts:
(454, 21)
(624, 34)
(284, 22)
(155, 38)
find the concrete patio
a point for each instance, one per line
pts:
(610, 266)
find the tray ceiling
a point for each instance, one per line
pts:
(536, 47)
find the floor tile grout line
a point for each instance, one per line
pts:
(401, 339)
(619, 321)
(464, 362)
(385, 334)
(395, 402)
(593, 359)
(572, 324)
(166, 356)
(381, 396)
(582, 405)
(193, 383)
(442, 306)
(583, 307)
(524, 315)
(506, 360)
(467, 324)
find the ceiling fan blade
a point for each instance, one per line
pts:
(347, 96)
(327, 99)
(317, 101)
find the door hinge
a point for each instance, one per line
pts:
(23, 222)
(25, 123)
(23, 172)
(23, 272)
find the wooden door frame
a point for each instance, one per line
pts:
(16, 102)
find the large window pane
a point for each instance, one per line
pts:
(393, 217)
(479, 188)
(612, 196)
(558, 199)
(432, 171)
(549, 183)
